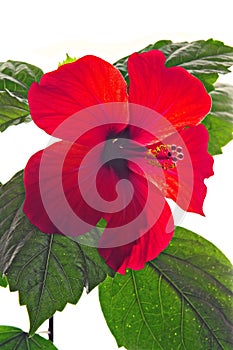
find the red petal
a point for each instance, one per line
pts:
(33, 205)
(173, 92)
(53, 201)
(130, 244)
(72, 87)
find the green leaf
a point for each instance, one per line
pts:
(13, 111)
(219, 121)
(15, 81)
(3, 281)
(210, 56)
(204, 59)
(11, 198)
(12, 338)
(17, 77)
(181, 300)
(49, 271)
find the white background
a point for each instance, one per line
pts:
(41, 33)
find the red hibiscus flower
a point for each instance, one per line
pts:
(123, 152)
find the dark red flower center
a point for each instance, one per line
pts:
(115, 153)
(120, 148)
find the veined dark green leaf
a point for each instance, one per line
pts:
(12, 338)
(15, 81)
(204, 59)
(13, 110)
(49, 271)
(219, 121)
(210, 56)
(11, 198)
(17, 77)
(181, 300)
